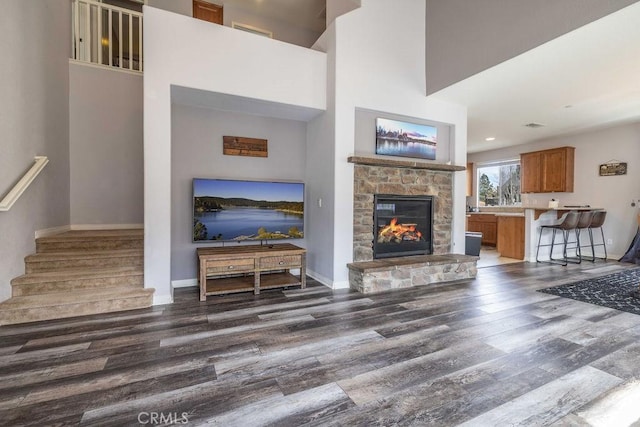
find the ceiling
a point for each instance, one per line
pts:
(308, 14)
(586, 79)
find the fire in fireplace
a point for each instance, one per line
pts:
(402, 225)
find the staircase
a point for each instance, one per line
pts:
(79, 273)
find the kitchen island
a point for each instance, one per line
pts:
(518, 228)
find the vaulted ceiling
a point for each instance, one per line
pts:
(586, 79)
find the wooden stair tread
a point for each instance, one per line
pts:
(134, 233)
(77, 273)
(72, 298)
(82, 254)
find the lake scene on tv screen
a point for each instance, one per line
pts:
(395, 138)
(226, 210)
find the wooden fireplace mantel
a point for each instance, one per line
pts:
(413, 164)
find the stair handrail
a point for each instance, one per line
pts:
(20, 187)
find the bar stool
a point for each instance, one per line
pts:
(597, 221)
(566, 226)
(584, 222)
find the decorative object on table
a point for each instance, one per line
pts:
(395, 138)
(617, 291)
(241, 146)
(613, 167)
(553, 204)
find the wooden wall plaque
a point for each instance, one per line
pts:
(240, 146)
(613, 168)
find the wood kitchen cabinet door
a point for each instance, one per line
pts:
(489, 234)
(530, 172)
(511, 237)
(557, 170)
(485, 224)
(547, 171)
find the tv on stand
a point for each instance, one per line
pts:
(226, 210)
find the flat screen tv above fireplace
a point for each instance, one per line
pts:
(395, 138)
(242, 210)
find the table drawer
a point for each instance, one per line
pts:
(230, 266)
(284, 261)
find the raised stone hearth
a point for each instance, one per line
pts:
(405, 272)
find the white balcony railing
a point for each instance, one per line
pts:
(106, 35)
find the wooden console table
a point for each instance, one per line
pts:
(223, 270)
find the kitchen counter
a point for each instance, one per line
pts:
(481, 213)
(537, 210)
(504, 226)
(561, 210)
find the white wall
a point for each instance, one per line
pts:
(465, 37)
(383, 71)
(197, 153)
(263, 74)
(282, 31)
(34, 120)
(105, 108)
(183, 7)
(320, 218)
(365, 133)
(613, 193)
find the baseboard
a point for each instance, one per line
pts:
(185, 283)
(341, 285)
(51, 231)
(326, 281)
(106, 226)
(162, 299)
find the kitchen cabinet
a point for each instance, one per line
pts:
(485, 224)
(547, 171)
(469, 179)
(530, 172)
(511, 236)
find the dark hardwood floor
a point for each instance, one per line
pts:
(485, 352)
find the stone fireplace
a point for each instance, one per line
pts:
(402, 181)
(375, 176)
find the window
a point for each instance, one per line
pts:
(499, 184)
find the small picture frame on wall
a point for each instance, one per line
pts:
(241, 146)
(396, 138)
(613, 168)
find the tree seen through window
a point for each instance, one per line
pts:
(499, 185)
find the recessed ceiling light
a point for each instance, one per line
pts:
(490, 138)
